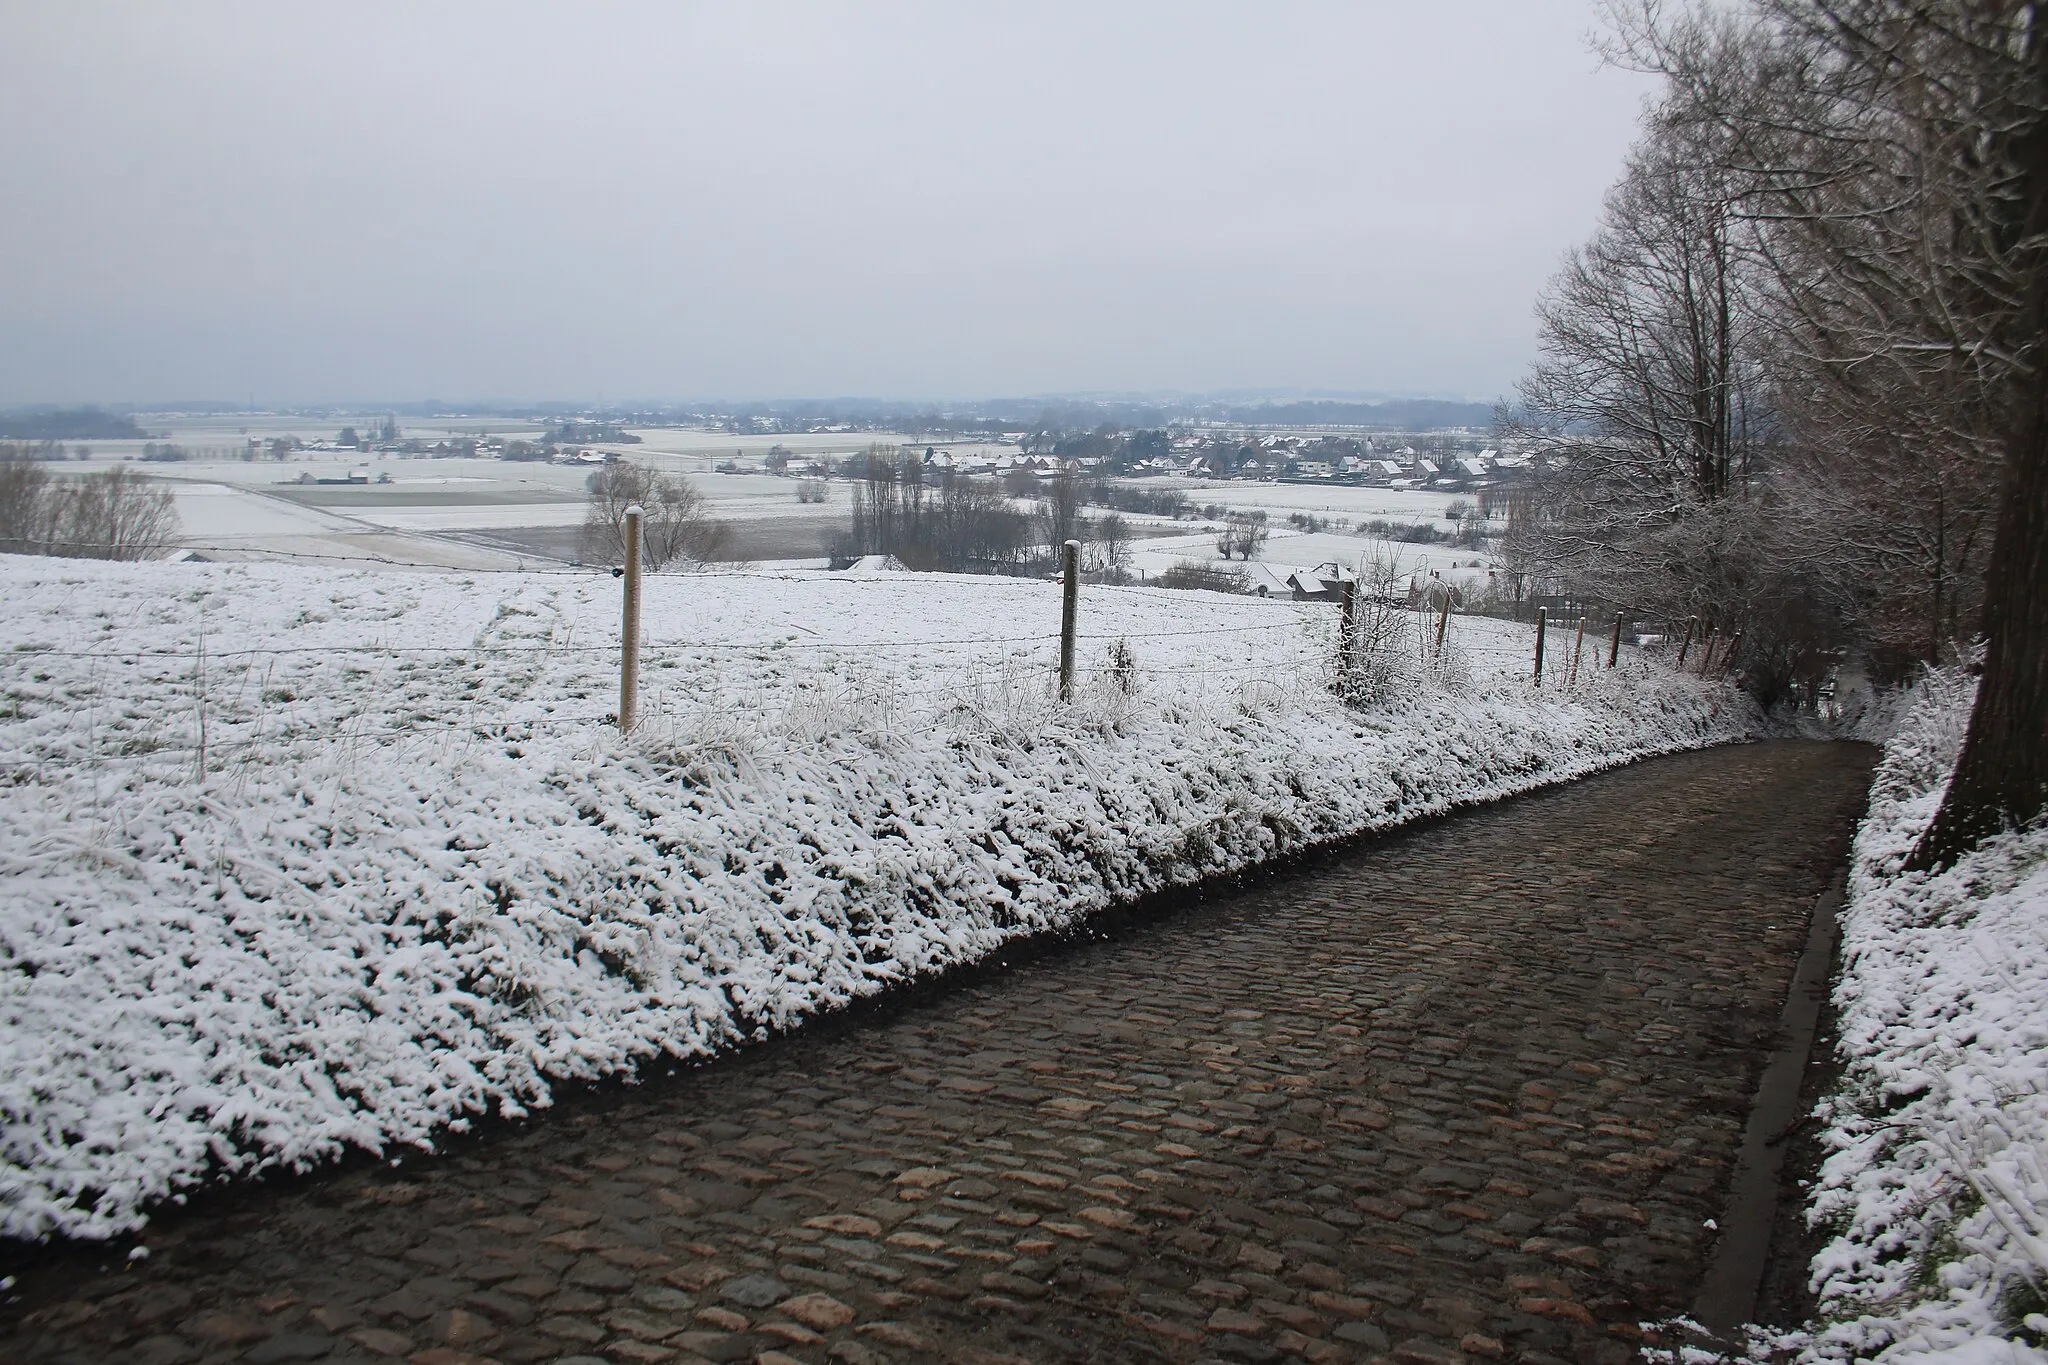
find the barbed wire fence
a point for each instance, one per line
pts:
(216, 707)
(212, 706)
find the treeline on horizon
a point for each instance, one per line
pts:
(68, 424)
(1038, 415)
(982, 418)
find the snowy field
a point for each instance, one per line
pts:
(448, 513)
(1937, 1181)
(488, 514)
(434, 512)
(204, 433)
(1286, 549)
(300, 859)
(439, 494)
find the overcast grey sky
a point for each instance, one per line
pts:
(398, 201)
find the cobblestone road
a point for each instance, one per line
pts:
(1466, 1094)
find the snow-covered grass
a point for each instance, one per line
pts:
(1936, 1186)
(301, 859)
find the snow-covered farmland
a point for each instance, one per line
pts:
(1937, 1180)
(299, 859)
(1285, 550)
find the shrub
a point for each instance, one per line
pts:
(116, 514)
(1382, 658)
(1404, 532)
(1191, 573)
(1158, 502)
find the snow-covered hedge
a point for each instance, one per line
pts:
(1937, 1180)
(296, 860)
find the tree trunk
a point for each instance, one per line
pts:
(2001, 779)
(1940, 550)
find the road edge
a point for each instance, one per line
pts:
(1728, 1294)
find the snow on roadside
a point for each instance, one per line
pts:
(1936, 1185)
(298, 860)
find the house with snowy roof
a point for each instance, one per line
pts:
(1323, 583)
(1269, 580)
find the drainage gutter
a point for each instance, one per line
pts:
(1728, 1295)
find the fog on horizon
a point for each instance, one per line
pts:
(645, 201)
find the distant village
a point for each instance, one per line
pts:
(1438, 461)
(561, 443)
(1450, 464)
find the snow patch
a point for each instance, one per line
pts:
(1935, 1179)
(302, 860)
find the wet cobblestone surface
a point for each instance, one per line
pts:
(1466, 1094)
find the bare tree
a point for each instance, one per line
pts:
(1110, 541)
(1893, 158)
(2001, 777)
(1060, 508)
(1855, 136)
(1646, 403)
(676, 526)
(27, 511)
(1243, 534)
(939, 522)
(115, 514)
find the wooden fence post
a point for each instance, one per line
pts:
(1707, 649)
(1542, 626)
(629, 625)
(1571, 677)
(1443, 622)
(1728, 659)
(199, 698)
(1070, 611)
(1347, 629)
(1690, 623)
(1614, 645)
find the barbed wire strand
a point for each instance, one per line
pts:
(29, 652)
(540, 563)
